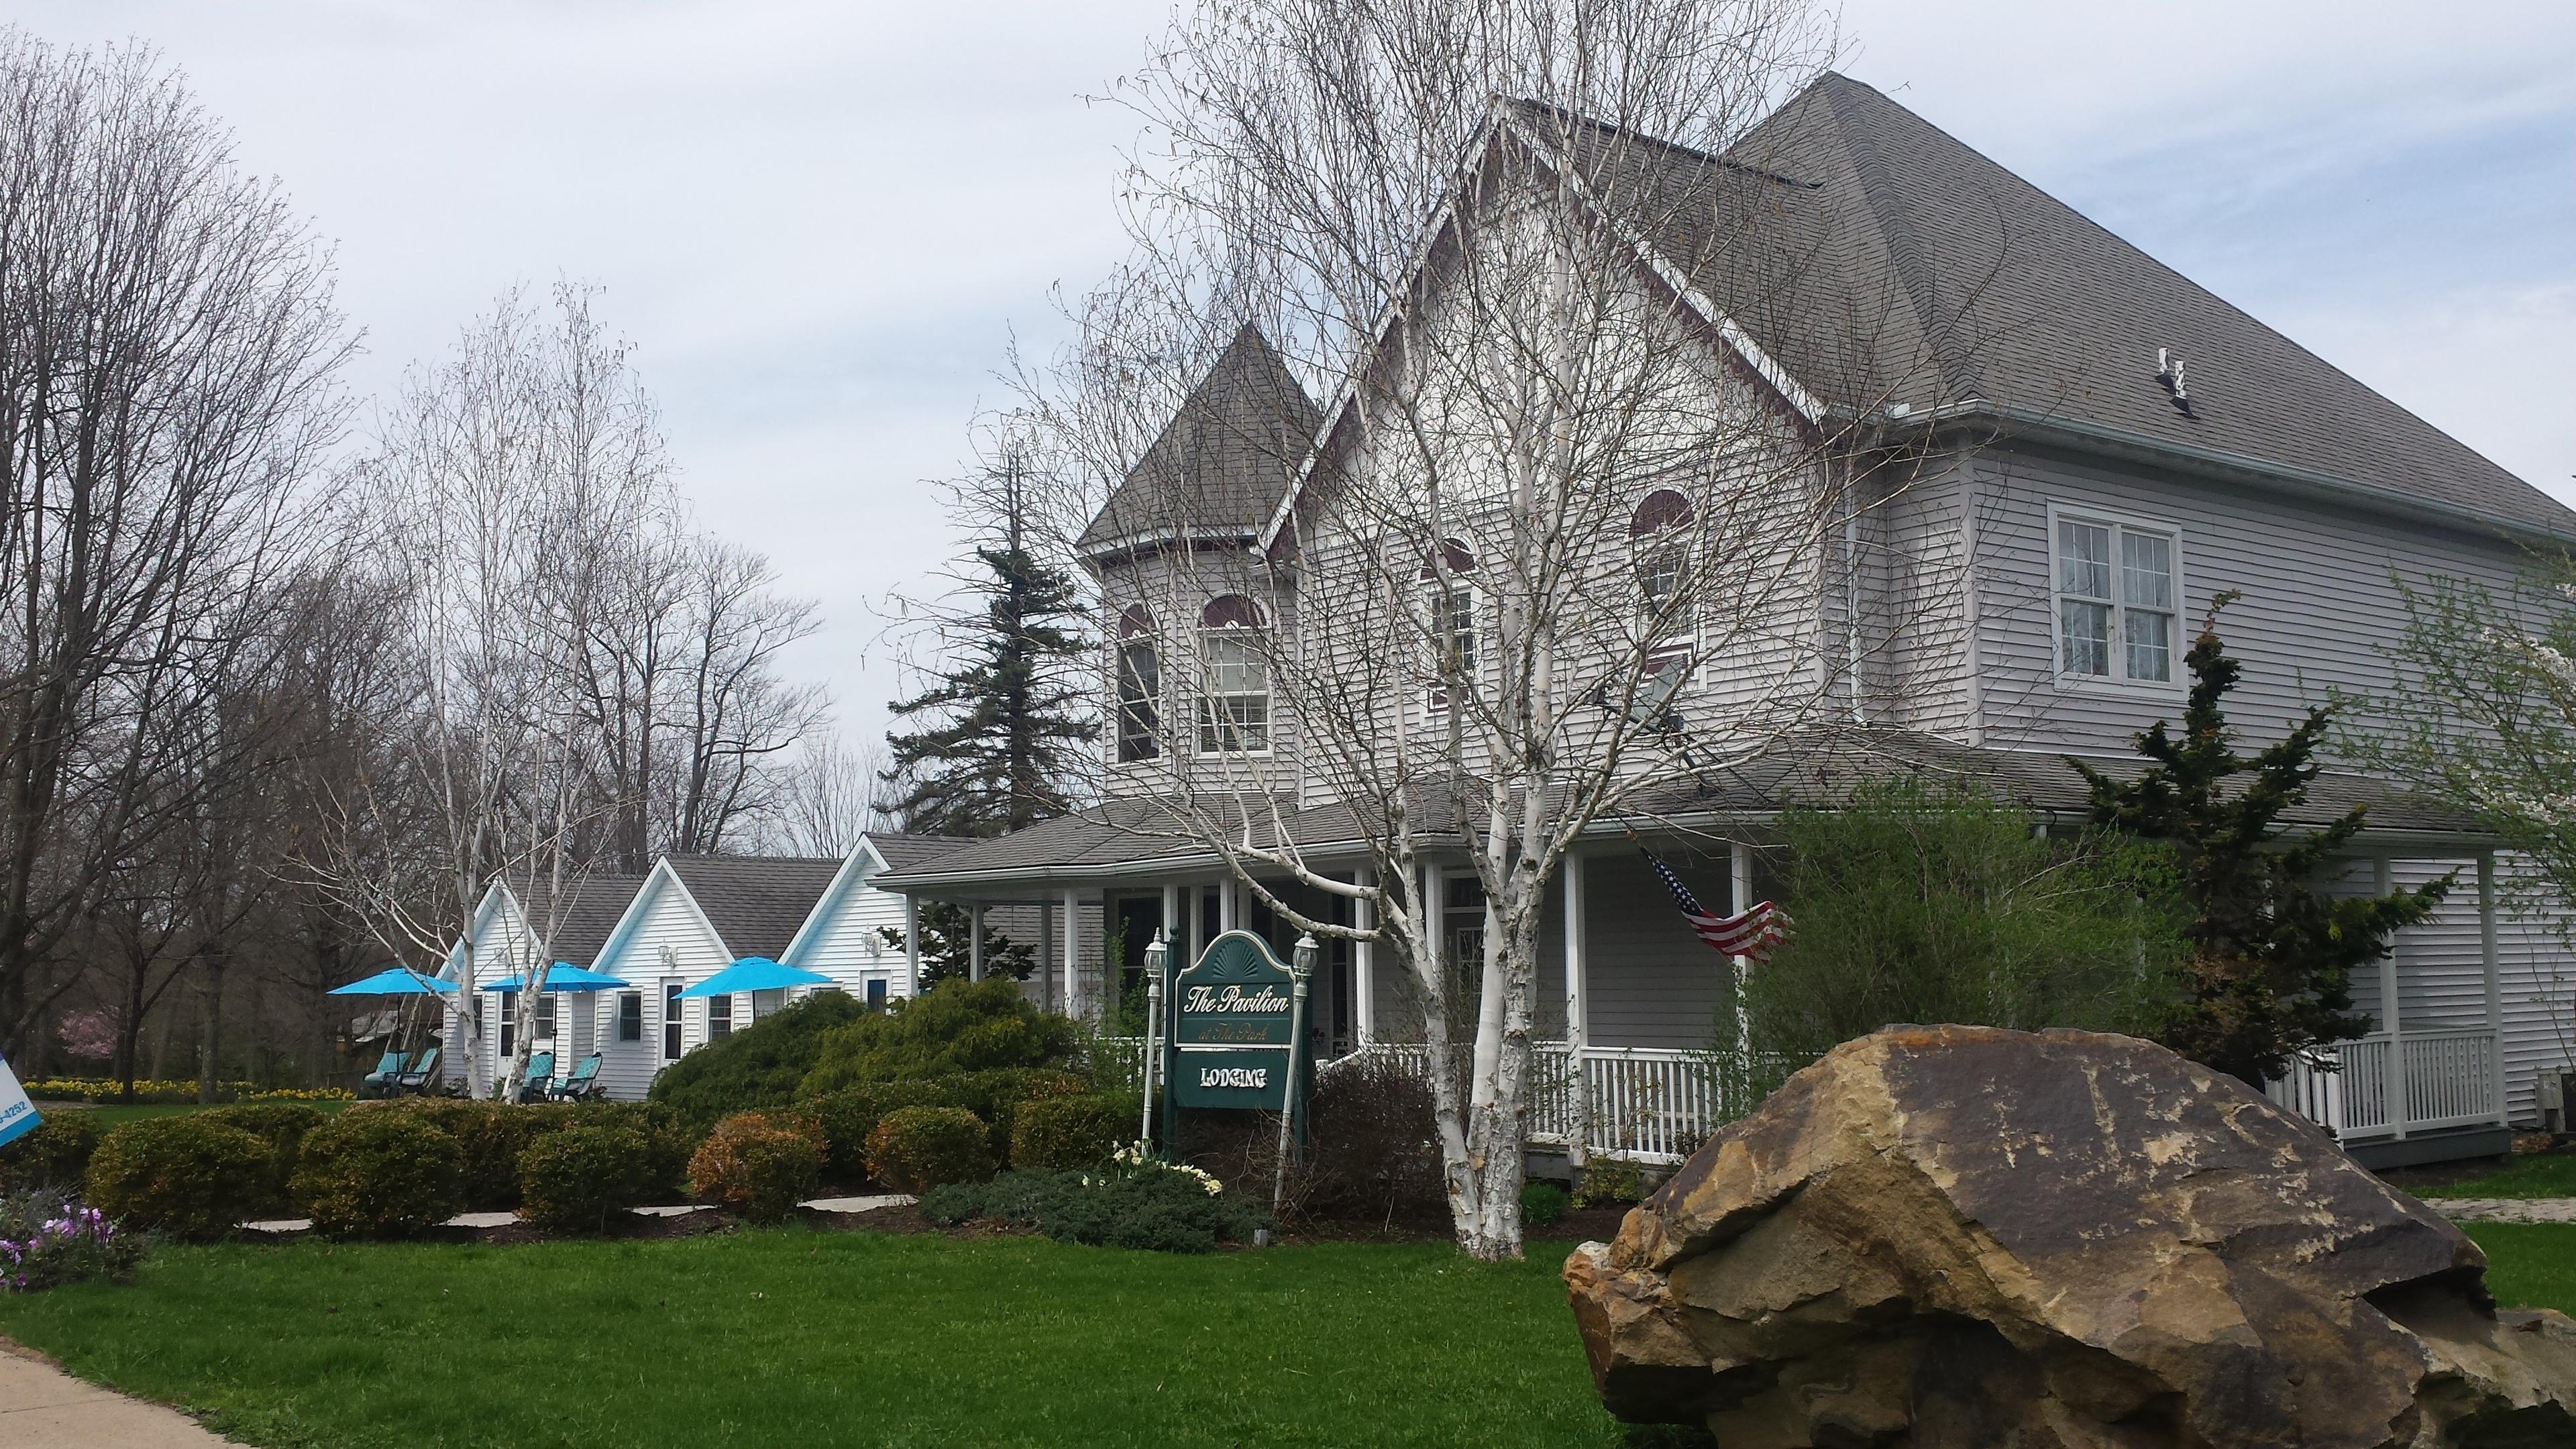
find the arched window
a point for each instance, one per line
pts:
(1659, 544)
(1140, 687)
(1234, 679)
(1449, 610)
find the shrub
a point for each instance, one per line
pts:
(48, 1238)
(489, 1137)
(282, 1125)
(757, 1068)
(1543, 1204)
(1606, 1182)
(183, 1176)
(1072, 1132)
(914, 1149)
(1132, 1203)
(1376, 1145)
(846, 1117)
(668, 1143)
(55, 1153)
(758, 1165)
(379, 1175)
(570, 1181)
(954, 1028)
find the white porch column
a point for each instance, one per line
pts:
(912, 945)
(975, 942)
(1739, 873)
(2392, 1083)
(1229, 915)
(1196, 925)
(2487, 958)
(1072, 953)
(1172, 920)
(1364, 963)
(1578, 1012)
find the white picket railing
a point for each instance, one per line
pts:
(2442, 1079)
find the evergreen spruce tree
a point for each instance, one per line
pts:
(948, 949)
(1007, 721)
(2271, 954)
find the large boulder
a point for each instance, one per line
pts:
(1961, 1236)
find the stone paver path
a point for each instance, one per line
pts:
(860, 1204)
(2506, 1209)
(503, 1220)
(41, 1407)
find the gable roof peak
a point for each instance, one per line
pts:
(1223, 460)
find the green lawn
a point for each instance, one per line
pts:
(811, 1339)
(109, 1114)
(802, 1338)
(2526, 1175)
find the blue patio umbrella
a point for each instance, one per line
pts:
(397, 981)
(755, 973)
(563, 976)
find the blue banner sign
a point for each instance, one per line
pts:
(17, 1114)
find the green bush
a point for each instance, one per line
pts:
(1927, 902)
(914, 1149)
(759, 1165)
(379, 1175)
(1148, 1204)
(282, 1125)
(1543, 1204)
(757, 1068)
(183, 1176)
(1607, 1183)
(570, 1181)
(954, 1028)
(1072, 1132)
(54, 1153)
(846, 1117)
(489, 1137)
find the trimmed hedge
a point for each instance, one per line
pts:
(1543, 1204)
(757, 1068)
(489, 1137)
(183, 1176)
(846, 1117)
(759, 1165)
(55, 1153)
(915, 1149)
(850, 1114)
(570, 1181)
(282, 1125)
(379, 1175)
(1073, 1132)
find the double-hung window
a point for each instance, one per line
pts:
(719, 1017)
(1139, 672)
(2117, 583)
(672, 1005)
(1234, 673)
(630, 1016)
(545, 1016)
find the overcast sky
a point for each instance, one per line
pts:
(821, 222)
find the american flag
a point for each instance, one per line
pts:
(1750, 934)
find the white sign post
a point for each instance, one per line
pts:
(17, 1114)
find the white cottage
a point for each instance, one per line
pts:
(505, 941)
(694, 916)
(845, 936)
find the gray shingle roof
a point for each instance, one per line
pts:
(1809, 770)
(1882, 261)
(592, 907)
(755, 902)
(903, 852)
(1225, 458)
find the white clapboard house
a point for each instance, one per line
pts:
(685, 920)
(2022, 598)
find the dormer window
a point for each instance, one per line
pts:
(2117, 583)
(1139, 673)
(1234, 678)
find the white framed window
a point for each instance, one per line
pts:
(1659, 537)
(2116, 590)
(1137, 672)
(1234, 679)
(1449, 619)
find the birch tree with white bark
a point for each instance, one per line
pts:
(1562, 544)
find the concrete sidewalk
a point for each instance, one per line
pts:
(41, 1407)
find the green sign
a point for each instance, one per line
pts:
(1233, 1036)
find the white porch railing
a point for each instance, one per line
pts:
(2421, 1081)
(1639, 1104)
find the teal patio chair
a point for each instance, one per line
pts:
(581, 1084)
(423, 1076)
(541, 1079)
(387, 1075)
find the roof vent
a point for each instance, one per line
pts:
(2169, 372)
